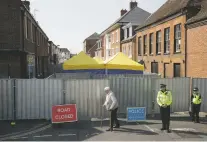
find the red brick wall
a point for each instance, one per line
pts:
(162, 59)
(197, 52)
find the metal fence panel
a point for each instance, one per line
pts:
(88, 95)
(132, 92)
(6, 99)
(34, 98)
(201, 83)
(180, 88)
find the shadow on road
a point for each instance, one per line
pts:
(136, 131)
(190, 133)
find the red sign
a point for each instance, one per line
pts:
(64, 113)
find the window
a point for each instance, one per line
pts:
(154, 67)
(28, 29)
(125, 33)
(38, 37)
(177, 38)
(145, 44)
(176, 69)
(139, 46)
(25, 23)
(130, 32)
(167, 41)
(33, 34)
(158, 42)
(109, 38)
(151, 44)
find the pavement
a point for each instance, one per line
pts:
(182, 130)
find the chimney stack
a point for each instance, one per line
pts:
(26, 4)
(133, 5)
(123, 11)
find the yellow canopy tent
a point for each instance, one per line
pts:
(122, 62)
(82, 62)
(100, 61)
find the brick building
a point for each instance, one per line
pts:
(197, 43)
(161, 40)
(113, 36)
(23, 44)
(90, 44)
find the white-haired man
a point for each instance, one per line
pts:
(111, 105)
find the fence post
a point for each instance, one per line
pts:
(64, 92)
(191, 86)
(153, 104)
(14, 103)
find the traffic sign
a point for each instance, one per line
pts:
(136, 114)
(64, 113)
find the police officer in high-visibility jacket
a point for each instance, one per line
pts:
(164, 100)
(196, 104)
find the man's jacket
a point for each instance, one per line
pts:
(196, 98)
(164, 98)
(111, 102)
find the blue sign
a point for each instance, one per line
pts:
(136, 114)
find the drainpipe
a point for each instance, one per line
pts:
(186, 42)
(23, 47)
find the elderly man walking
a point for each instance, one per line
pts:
(111, 105)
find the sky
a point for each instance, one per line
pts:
(69, 22)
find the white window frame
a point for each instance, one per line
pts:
(125, 33)
(130, 31)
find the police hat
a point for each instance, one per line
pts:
(163, 85)
(195, 89)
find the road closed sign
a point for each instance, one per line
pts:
(64, 113)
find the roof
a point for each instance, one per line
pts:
(93, 36)
(136, 15)
(169, 8)
(81, 61)
(201, 15)
(64, 50)
(121, 61)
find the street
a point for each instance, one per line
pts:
(182, 130)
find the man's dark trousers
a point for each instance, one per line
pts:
(114, 118)
(165, 116)
(195, 112)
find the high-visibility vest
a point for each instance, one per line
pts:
(164, 98)
(196, 98)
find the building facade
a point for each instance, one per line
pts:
(161, 40)
(23, 44)
(128, 44)
(90, 44)
(197, 44)
(114, 34)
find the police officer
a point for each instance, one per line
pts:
(164, 100)
(196, 104)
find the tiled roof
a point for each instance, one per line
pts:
(169, 8)
(136, 15)
(93, 36)
(201, 15)
(64, 50)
